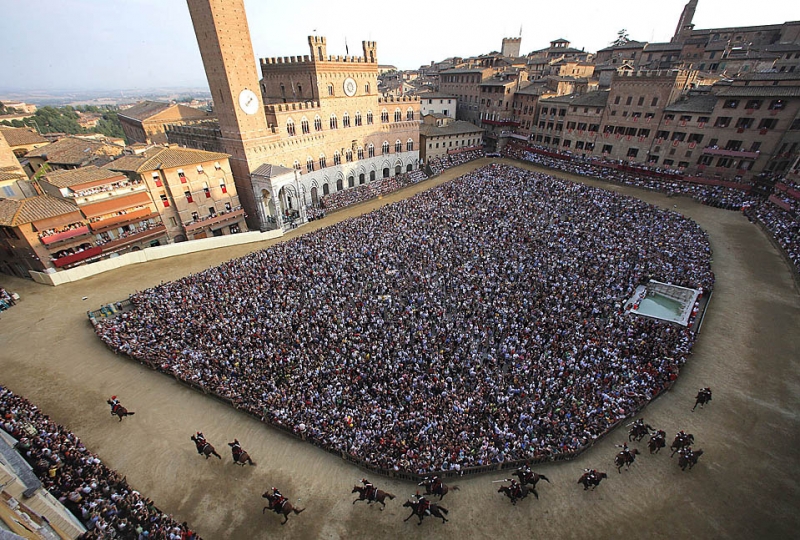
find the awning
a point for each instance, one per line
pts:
(116, 204)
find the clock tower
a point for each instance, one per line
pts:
(224, 40)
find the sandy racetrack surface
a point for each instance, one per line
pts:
(745, 485)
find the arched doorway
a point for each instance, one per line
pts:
(398, 169)
(408, 167)
(314, 197)
(361, 178)
(371, 176)
(339, 184)
(325, 189)
(351, 181)
(386, 172)
(271, 217)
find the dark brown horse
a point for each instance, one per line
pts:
(282, 507)
(119, 410)
(658, 440)
(530, 478)
(204, 447)
(592, 479)
(434, 486)
(240, 457)
(625, 459)
(515, 493)
(681, 440)
(703, 397)
(638, 430)
(689, 457)
(433, 510)
(377, 495)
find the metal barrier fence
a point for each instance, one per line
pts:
(109, 310)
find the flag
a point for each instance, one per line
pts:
(346, 49)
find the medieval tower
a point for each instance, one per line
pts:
(224, 40)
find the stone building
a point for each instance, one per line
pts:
(70, 153)
(441, 135)
(435, 103)
(22, 140)
(146, 121)
(464, 83)
(319, 114)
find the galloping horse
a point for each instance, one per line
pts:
(530, 478)
(687, 439)
(638, 430)
(658, 440)
(514, 494)
(240, 457)
(703, 397)
(434, 486)
(119, 410)
(204, 447)
(589, 479)
(689, 457)
(283, 507)
(377, 495)
(434, 510)
(625, 459)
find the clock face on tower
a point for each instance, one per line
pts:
(248, 101)
(350, 87)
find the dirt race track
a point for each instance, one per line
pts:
(746, 485)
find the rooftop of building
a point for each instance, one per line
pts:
(82, 175)
(460, 71)
(628, 45)
(18, 212)
(11, 174)
(435, 95)
(458, 127)
(21, 136)
(145, 109)
(658, 47)
(159, 158)
(268, 170)
(694, 103)
(70, 151)
(760, 91)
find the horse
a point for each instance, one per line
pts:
(378, 495)
(638, 430)
(119, 410)
(588, 479)
(434, 486)
(240, 457)
(625, 459)
(205, 447)
(284, 507)
(657, 441)
(434, 510)
(680, 442)
(688, 457)
(530, 478)
(703, 397)
(515, 495)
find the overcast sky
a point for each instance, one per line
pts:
(116, 44)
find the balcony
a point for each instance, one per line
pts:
(216, 220)
(66, 235)
(731, 153)
(124, 219)
(78, 257)
(141, 236)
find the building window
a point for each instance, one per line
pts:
(777, 104)
(188, 196)
(722, 122)
(206, 190)
(409, 145)
(384, 116)
(304, 125)
(334, 122)
(641, 101)
(348, 156)
(358, 118)
(366, 88)
(360, 152)
(212, 212)
(337, 158)
(317, 123)
(309, 164)
(346, 120)
(164, 201)
(195, 216)
(398, 146)
(296, 165)
(654, 102)
(371, 150)
(157, 180)
(607, 148)
(322, 161)
(290, 127)
(633, 152)
(330, 89)
(224, 189)
(182, 176)
(753, 104)
(768, 123)
(410, 114)
(369, 118)
(730, 104)
(385, 147)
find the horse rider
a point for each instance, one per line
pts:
(526, 471)
(114, 404)
(626, 452)
(706, 392)
(592, 474)
(369, 489)
(200, 441)
(436, 484)
(277, 499)
(515, 489)
(236, 449)
(423, 504)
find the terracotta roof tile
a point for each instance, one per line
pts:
(83, 175)
(18, 212)
(144, 110)
(164, 158)
(21, 136)
(73, 151)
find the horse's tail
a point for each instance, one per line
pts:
(443, 510)
(391, 497)
(454, 488)
(131, 413)
(298, 510)
(543, 477)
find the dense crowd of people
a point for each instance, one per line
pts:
(474, 323)
(376, 188)
(784, 225)
(7, 299)
(106, 505)
(718, 196)
(440, 164)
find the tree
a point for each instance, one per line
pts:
(622, 38)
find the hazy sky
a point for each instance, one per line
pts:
(114, 44)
